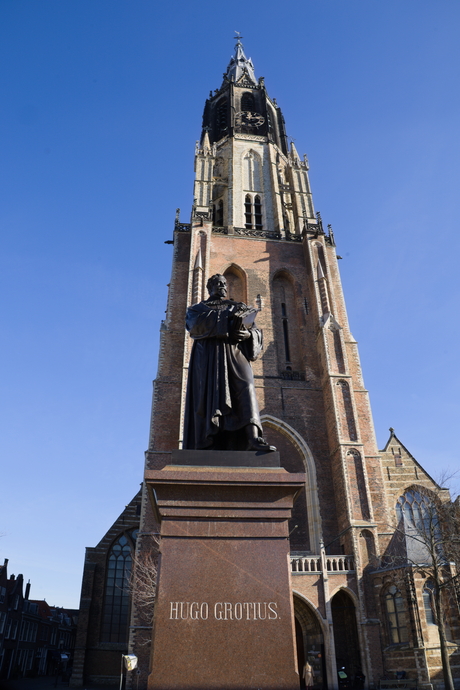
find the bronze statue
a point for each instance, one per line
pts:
(221, 411)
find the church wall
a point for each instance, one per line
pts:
(298, 402)
(95, 660)
(165, 424)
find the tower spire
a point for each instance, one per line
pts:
(240, 64)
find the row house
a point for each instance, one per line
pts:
(35, 638)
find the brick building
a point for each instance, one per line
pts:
(103, 632)
(35, 639)
(253, 220)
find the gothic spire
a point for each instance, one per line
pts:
(240, 64)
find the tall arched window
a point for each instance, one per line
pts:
(286, 324)
(348, 424)
(428, 603)
(396, 617)
(252, 177)
(253, 212)
(248, 212)
(116, 599)
(287, 350)
(368, 547)
(221, 118)
(236, 283)
(247, 101)
(219, 213)
(420, 510)
(258, 212)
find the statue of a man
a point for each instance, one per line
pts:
(221, 411)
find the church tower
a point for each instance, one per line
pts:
(254, 221)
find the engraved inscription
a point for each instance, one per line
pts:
(224, 611)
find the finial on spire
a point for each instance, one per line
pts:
(238, 37)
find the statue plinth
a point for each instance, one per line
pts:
(224, 612)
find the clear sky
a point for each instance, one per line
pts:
(100, 108)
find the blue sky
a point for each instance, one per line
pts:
(100, 108)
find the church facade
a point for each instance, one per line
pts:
(356, 606)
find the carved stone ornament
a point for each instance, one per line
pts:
(251, 137)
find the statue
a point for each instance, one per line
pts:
(221, 411)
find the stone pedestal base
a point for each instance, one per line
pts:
(224, 612)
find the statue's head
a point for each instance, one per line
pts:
(217, 286)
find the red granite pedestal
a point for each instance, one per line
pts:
(224, 612)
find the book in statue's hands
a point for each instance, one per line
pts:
(245, 316)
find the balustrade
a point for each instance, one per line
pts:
(312, 564)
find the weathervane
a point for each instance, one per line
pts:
(238, 36)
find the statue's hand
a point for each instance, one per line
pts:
(241, 334)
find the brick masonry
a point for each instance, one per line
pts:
(313, 401)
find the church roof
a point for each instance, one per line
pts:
(239, 64)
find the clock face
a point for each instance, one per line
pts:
(246, 117)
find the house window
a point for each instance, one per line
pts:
(116, 602)
(14, 630)
(396, 618)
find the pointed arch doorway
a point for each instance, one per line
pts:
(310, 643)
(346, 638)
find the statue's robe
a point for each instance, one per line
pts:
(221, 398)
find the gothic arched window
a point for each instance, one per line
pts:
(221, 117)
(286, 324)
(236, 283)
(248, 212)
(219, 213)
(348, 410)
(420, 511)
(253, 212)
(368, 546)
(284, 320)
(396, 617)
(247, 101)
(258, 212)
(252, 177)
(116, 599)
(428, 603)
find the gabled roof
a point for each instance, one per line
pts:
(393, 439)
(44, 610)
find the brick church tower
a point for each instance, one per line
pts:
(253, 220)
